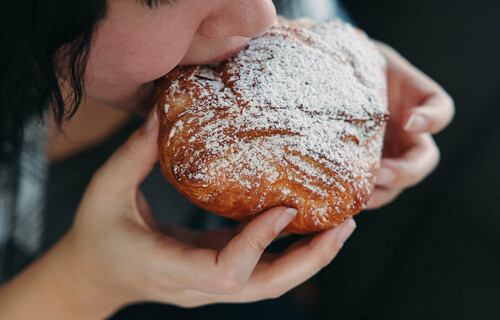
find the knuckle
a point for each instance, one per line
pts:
(257, 242)
(96, 177)
(129, 151)
(448, 113)
(386, 197)
(374, 202)
(436, 158)
(184, 304)
(381, 203)
(436, 154)
(274, 291)
(410, 174)
(323, 255)
(404, 175)
(391, 196)
(97, 185)
(189, 304)
(229, 283)
(450, 103)
(378, 202)
(410, 178)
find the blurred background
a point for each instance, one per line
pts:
(434, 253)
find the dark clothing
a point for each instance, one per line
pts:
(22, 203)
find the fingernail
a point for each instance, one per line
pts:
(151, 121)
(416, 123)
(285, 219)
(345, 230)
(385, 176)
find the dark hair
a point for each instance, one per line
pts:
(32, 34)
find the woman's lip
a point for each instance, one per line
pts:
(224, 56)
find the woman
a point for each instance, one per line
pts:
(114, 254)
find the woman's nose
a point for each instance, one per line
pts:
(245, 18)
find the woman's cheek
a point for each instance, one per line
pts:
(122, 66)
(123, 96)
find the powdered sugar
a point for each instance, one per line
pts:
(308, 108)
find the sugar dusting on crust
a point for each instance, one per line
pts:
(312, 101)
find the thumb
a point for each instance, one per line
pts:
(133, 161)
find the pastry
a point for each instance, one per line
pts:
(296, 119)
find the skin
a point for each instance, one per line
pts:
(136, 45)
(410, 153)
(115, 254)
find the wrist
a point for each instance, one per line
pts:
(51, 288)
(83, 294)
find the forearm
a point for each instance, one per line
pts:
(48, 290)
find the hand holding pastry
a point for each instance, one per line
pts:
(133, 261)
(115, 254)
(419, 107)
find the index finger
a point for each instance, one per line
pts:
(227, 271)
(285, 271)
(242, 253)
(297, 264)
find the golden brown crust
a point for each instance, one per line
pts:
(237, 157)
